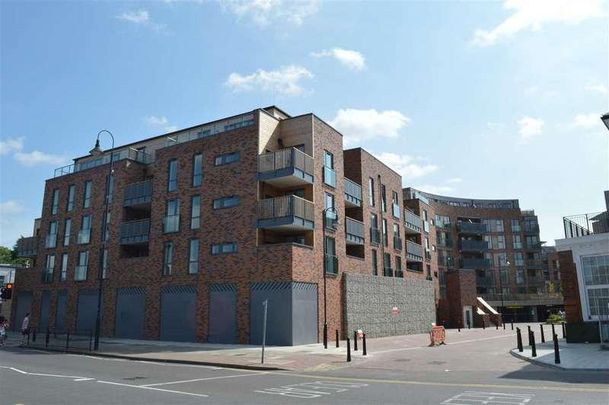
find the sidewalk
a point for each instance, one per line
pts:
(573, 356)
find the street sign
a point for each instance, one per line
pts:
(395, 311)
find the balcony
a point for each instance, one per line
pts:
(524, 299)
(354, 231)
(27, 247)
(171, 223)
(395, 210)
(471, 228)
(331, 264)
(413, 222)
(414, 251)
(50, 241)
(329, 176)
(288, 167)
(375, 235)
(127, 153)
(473, 245)
(286, 213)
(84, 236)
(135, 232)
(353, 194)
(137, 194)
(531, 228)
(397, 242)
(475, 263)
(534, 264)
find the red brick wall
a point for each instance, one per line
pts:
(570, 287)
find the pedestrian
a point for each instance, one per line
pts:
(25, 328)
(3, 328)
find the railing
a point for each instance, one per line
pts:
(414, 250)
(128, 153)
(51, 241)
(171, 223)
(523, 297)
(397, 242)
(471, 227)
(473, 245)
(413, 221)
(283, 159)
(135, 231)
(210, 129)
(475, 263)
(138, 193)
(84, 236)
(586, 224)
(285, 206)
(353, 192)
(534, 264)
(375, 235)
(354, 228)
(27, 247)
(329, 176)
(533, 228)
(331, 264)
(395, 208)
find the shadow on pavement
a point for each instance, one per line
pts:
(533, 372)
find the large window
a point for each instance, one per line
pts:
(223, 248)
(83, 264)
(195, 212)
(63, 275)
(329, 174)
(172, 216)
(197, 170)
(329, 210)
(226, 202)
(387, 270)
(55, 202)
(371, 191)
(515, 225)
(596, 270)
(84, 235)
(86, 201)
(517, 241)
(385, 238)
(49, 269)
(67, 229)
(71, 194)
(330, 259)
(442, 221)
(518, 259)
(167, 258)
(532, 241)
(375, 263)
(493, 225)
(227, 158)
(51, 240)
(383, 198)
(193, 256)
(172, 175)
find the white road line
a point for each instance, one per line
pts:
(154, 389)
(75, 377)
(201, 379)
(161, 363)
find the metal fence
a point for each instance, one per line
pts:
(67, 340)
(586, 224)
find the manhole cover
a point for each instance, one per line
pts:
(137, 377)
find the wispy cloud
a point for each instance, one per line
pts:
(361, 125)
(36, 158)
(587, 121)
(159, 123)
(353, 60)
(11, 145)
(455, 180)
(140, 17)
(533, 14)
(15, 221)
(10, 207)
(265, 12)
(529, 127)
(285, 81)
(597, 88)
(407, 166)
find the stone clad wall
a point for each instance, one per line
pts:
(369, 300)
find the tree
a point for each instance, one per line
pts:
(9, 256)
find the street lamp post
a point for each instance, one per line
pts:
(501, 287)
(325, 225)
(96, 151)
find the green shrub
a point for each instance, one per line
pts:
(555, 318)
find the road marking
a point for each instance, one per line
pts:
(311, 390)
(454, 343)
(160, 363)
(202, 379)
(154, 389)
(76, 378)
(445, 384)
(470, 397)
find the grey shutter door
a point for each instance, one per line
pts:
(130, 313)
(222, 313)
(86, 312)
(45, 307)
(60, 311)
(24, 305)
(178, 309)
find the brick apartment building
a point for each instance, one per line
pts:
(475, 242)
(206, 223)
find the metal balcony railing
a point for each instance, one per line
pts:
(138, 193)
(289, 158)
(354, 230)
(353, 192)
(414, 251)
(471, 227)
(289, 207)
(127, 153)
(27, 247)
(473, 245)
(134, 232)
(412, 221)
(586, 224)
(475, 263)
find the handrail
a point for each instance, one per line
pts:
(288, 205)
(285, 158)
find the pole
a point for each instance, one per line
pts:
(354, 340)
(519, 340)
(501, 290)
(325, 330)
(529, 330)
(543, 338)
(556, 349)
(564, 333)
(337, 339)
(533, 347)
(265, 304)
(364, 352)
(105, 238)
(348, 349)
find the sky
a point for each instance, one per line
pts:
(484, 99)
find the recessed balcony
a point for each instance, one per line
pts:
(286, 213)
(473, 245)
(354, 231)
(135, 232)
(353, 194)
(288, 167)
(471, 228)
(414, 251)
(27, 247)
(475, 263)
(412, 222)
(138, 194)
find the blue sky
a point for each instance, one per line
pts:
(472, 99)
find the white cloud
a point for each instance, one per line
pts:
(11, 145)
(135, 17)
(360, 125)
(159, 123)
(10, 207)
(533, 14)
(529, 127)
(285, 80)
(15, 221)
(354, 60)
(407, 166)
(435, 189)
(454, 180)
(36, 158)
(265, 12)
(587, 121)
(597, 88)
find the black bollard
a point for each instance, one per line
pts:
(364, 352)
(512, 324)
(90, 340)
(543, 337)
(496, 326)
(519, 340)
(354, 340)
(459, 329)
(529, 331)
(46, 338)
(564, 332)
(533, 348)
(553, 331)
(337, 339)
(34, 335)
(556, 350)
(503, 323)
(67, 340)
(348, 349)
(483, 324)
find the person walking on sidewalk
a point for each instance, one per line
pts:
(25, 328)
(3, 328)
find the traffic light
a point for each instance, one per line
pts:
(7, 292)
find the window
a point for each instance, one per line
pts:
(81, 269)
(193, 256)
(519, 276)
(84, 235)
(596, 270)
(329, 174)
(55, 202)
(329, 210)
(48, 271)
(532, 241)
(51, 241)
(172, 216)
(172, 175)
(387, 270)
(63, 275)
(197, 170)
(195, 212)
(109, 188)
(515, 225)
(499, 225)
(517, 241)
(371, 191)
(71, 193)
(374, 262)
(397, 241)
(167, 257)
(518, 259)
(67, 229)
(226, 202)
(398, 267)
(227, 158)
(498, 241)
(500, 260)
(222, 248)
(395, 204)
(385, 239)
(442, 221)
(106, 226)
(86, 202)
(330, 259)
(383, 198)
(375, 236)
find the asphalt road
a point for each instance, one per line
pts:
(468, 373)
